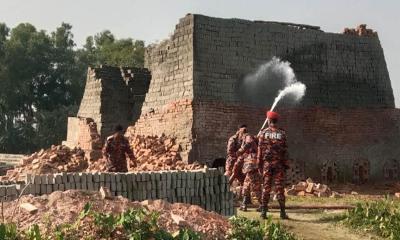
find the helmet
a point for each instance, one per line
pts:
(272, 115)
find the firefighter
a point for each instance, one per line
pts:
(115, 150)
(272, 154)
(250, 169)
(234, 144)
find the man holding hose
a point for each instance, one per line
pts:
(273, 158)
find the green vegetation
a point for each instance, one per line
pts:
(136, 224)
(42, 78)
(133, 224)
(381, 217)
(346, 200)
(249, 229)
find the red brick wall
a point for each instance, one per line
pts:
(174, 119)
(315, 135)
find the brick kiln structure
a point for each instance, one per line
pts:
(345, 129)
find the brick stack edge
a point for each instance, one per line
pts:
(207, 188)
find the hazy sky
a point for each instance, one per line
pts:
(152, 20)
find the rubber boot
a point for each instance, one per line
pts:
(259, 202)
(243, 207)
(283, 214)
(248, 200)
(264, 211)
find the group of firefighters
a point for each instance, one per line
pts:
(257, 162)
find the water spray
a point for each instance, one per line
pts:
(277, 73)
(296, 90)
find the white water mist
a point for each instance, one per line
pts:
(278, 76)
(295, 90)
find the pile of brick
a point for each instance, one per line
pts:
(309, 188)
(361, 30)
(152, 153)
(158, 153)
(55, 159)
(64, 208)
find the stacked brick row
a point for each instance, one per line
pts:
(206, 188)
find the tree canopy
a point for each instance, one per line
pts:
(42, 78)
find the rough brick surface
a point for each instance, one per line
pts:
(113, 95)
(195, 93)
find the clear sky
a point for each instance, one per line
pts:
(153, 20)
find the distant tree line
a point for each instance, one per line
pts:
(42, 78)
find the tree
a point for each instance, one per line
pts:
(42, 78)
(103, 48)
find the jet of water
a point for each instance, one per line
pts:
(295, 90)
(292, 89)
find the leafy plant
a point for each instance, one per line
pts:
(186, 234)
(245, 229)
(8, 231)
(275, 231)
(106, 223)
(381, 217)
(249, 229)
(33, 233)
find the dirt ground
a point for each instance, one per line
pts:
(312, 225)
(317, 224)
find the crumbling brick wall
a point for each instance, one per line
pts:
(114, 95)
(168, 104)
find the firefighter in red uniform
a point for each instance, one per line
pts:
(115, 150)
(272, 154)
(234, 144)
(250, 169)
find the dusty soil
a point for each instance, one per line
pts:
(312, 225)
(64, 207)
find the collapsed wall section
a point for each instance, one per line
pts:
(113, 95)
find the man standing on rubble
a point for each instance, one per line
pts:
(234, 144)
(273, 157)
(115, 150)
(252, 180)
